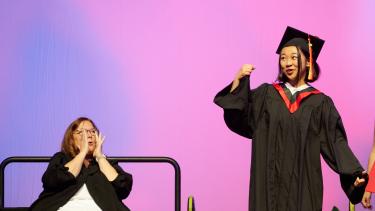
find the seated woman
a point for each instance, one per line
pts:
(79, 177)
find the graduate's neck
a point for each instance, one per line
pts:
(297, 83)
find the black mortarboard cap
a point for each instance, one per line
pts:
(295, 37)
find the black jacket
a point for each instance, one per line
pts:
(60, 185)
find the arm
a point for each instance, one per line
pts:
(57, 175)
(366, 199)
(372, 156)
(236, 108)
(123, 183)
(104, 166)
(242, 106)
(245, 70)
(338, 155)
(76, 163)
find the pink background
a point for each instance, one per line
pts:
(147, 71)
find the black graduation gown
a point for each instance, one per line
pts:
(60, 185)
(286, 146)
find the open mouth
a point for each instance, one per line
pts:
(289, 71)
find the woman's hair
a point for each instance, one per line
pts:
(67, 144)
(282, 78)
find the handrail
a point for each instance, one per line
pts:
(42, 159)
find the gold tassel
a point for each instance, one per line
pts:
(311, 74)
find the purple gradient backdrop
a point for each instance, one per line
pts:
(147, 72)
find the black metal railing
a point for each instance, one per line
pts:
(43, 159)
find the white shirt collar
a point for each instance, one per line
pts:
(293, 89)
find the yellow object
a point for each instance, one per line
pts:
(191, 206)
(310, 75)
(351, 207)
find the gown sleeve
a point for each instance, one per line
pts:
(336, 152)
(123, 182)
(242, 107)
(57, 176)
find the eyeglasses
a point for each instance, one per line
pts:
(79, 132)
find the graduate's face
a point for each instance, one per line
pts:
(78, 135)
(289, 64)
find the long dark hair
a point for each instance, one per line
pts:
(282, 78)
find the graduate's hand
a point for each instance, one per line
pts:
(245, 70)
(361, 181)
(366, 200)
(99, 145)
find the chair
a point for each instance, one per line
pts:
(40, 159)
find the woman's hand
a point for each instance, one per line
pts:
(76, 163)
(83, 145)
(366, 200)
(105, 167)
(98, 146)
(245, 70)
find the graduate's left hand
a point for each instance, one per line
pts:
(361, 181)
(99, 144)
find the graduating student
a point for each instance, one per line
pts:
(79, 177)
(291, 124)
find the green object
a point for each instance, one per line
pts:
(335, 208)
